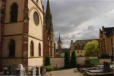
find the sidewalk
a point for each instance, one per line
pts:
(68, 72)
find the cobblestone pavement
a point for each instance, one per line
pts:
(68, 72)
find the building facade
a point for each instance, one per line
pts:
(49, 45)
(21, 33)
(78, 46)
(106, 36)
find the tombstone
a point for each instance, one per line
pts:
(12, 69)
(20, 70)
(5, 70)
(43, 71)
(34, 71)
(38, 71)
(107, 67)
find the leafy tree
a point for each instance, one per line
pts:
(73, 60)
(92, 48)
(67, 59)
(47, 61)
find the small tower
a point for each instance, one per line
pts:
(59, 44)
(71, 47)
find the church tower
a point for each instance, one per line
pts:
(59, 44)
(71, 47)
(22, 33)
(49, 47)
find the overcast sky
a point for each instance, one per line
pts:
(80, 19)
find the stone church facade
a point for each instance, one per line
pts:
(21, 33)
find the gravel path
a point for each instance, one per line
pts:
(68, 72)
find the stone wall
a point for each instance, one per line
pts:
(81, 60)
(101, 61)
(35, 62)
(59, 62)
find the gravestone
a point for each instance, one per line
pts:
(34, 71)
(43, 71)
(12, 69)
(38, 73)
(107, 67)
(20, 70)
(5, 70)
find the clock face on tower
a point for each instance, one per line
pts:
(36, 18)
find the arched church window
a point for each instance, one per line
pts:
(39, 48)
(12, 48)
(31, 48)
(14, 12)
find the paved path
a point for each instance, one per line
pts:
(68, 72)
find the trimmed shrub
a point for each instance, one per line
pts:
(67, 59)
(47, 61)
(73, 60)
(49, 68)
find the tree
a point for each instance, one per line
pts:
(67, 59)
(92, 48)
(73, 60)
(47, 61)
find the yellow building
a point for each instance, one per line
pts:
(78, 46)
(22, 33)
(106, 36)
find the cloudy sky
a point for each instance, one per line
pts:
(80, 19)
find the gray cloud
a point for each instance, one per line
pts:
(80, 19)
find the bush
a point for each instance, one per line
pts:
(94, 61)
(88, 64)
(67, 59)
(49, 68)
(47, 61)
(73, 60)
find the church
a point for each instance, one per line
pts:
(106, 36)
(22, 30)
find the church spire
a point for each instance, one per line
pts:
(59, 41)
(48, 18)
(48, 8)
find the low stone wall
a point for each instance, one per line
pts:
(101, 61)
(57, 62)
(81, 60)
